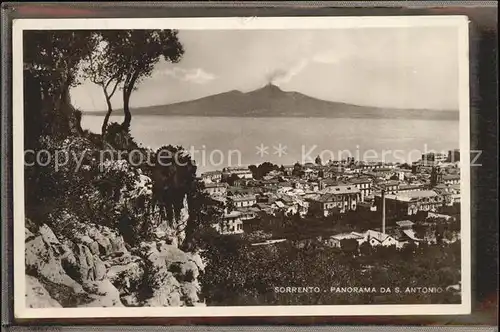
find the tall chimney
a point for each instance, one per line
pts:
(383, 211)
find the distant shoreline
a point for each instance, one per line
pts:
(437, 118)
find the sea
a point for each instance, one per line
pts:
(218, 142)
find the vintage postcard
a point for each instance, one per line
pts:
(241, 166)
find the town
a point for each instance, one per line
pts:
(387, 204)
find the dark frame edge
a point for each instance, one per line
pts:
(477, 126)
(6, 167)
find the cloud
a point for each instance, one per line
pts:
(284, 75)
(329, 57)
(194, 75)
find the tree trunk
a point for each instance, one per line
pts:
(106, 118)
(127, 91)
(126, 109)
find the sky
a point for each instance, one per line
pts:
(382, 67)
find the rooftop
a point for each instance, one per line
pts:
(381, 237)
(382, 169)
(390, 183)
(411, 195)
(410, 186)
(248, 210)
(236, 168)
(211, 173)
(243, 198)
(411, 234)
(451, 177)
(342, 189)
(215, 185)
(404, 223)
(346, 236)
(360, 180)
(232, 214)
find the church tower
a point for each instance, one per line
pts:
(436, 176)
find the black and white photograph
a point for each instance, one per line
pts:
(241, 166)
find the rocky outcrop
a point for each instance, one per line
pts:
(37, 296)
(64, 273)
(92, 267)
(169, 277)
(173, 231)
(47, 258)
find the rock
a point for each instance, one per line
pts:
(118, 244)
(106, 295)
(171, 253)
(28, 235)
(162, 255)
(43, 259)
(93, 245)
(196, 258)
(93, 268)
(190, 292)
(168, 267)
(166, 292)
(172, 230)
(99, 268)
(125, 272)
(189, 270)
(102, 240)
(130, 300)
(31, 226)
(111, 241)
(37, 296)
(122, 260)
(85, 262)
(48, 235)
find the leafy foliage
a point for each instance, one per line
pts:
(263, 169)
(298, 170)
(99, 68)
(52, 63)
(131, 55)
(54, 57)
(239, 274)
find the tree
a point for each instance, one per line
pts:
(254, 170)
(52, 62)
(318, 161)
(100, 69)
(350, 246)
(232, 179)
(203, 212)
(365, 248)
(258, 172)
(405, 166)
(298, 170)
(135, 53)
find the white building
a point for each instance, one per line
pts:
(241, 172)
(243, 201)
(230, 224)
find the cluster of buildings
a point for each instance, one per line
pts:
(396, 190)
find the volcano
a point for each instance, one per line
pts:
(272, 101)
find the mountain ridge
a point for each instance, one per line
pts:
(272, 101)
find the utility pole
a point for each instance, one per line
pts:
(383, 211)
